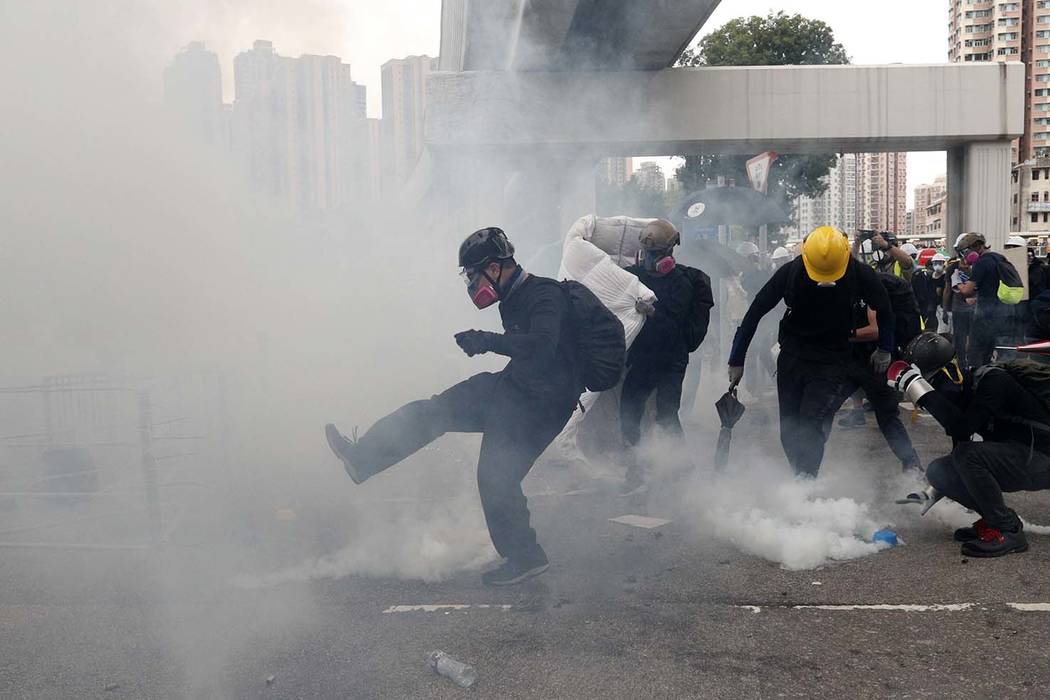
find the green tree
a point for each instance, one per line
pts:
(777, 39)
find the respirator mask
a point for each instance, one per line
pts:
(485, 296)
(659, 260)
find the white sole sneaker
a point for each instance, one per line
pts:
(337, 443)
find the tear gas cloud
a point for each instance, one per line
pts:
(128, 252)
(131, 253)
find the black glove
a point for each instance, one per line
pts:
(474, 342)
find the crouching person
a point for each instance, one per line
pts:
(1003, 403)
(519, 410)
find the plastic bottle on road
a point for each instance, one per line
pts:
(458, 672)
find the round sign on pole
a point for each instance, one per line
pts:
(696, 210)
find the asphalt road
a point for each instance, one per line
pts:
(624, 612)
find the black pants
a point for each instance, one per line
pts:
(884, 401)
(809, 393)
(984, 336)
(962, 324)
(976, 474)
(517, 428)
(641, 381)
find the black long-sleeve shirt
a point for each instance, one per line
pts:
(537, 318)
(662, 341)
(998, 409)
(819, 321)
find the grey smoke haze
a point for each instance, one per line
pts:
(126, 252)
(141, 36)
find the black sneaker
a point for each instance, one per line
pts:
(343, 448)
(512, 572)
(996, 543)
(855, 419)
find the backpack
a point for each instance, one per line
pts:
(1039, 307)
(601, 348)
(905, 309)
(1011, 288)
(700, 309)
(1035, 378)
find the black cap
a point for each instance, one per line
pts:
(484, 246)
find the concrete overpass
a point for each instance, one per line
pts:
(553, 113)
(568, 35)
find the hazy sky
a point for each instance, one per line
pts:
(366, 34)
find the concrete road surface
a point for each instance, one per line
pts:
(624, 612)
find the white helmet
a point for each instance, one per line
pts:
(910, 250)
(747, 249)
(1016, 242)
(939, 257)
(780, 253)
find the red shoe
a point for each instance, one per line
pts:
(969, 534)
(996, 543)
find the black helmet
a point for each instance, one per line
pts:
(929, 351)
(485, 246)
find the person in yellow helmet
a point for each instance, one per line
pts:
(821, 289)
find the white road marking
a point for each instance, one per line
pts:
(935, 607)
(642, 521)
(900, 607)
(446, 607)
(1030, 607)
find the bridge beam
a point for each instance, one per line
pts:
(789, 109)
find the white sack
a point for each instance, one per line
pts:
(592, 248)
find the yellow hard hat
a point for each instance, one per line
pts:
(825, 252)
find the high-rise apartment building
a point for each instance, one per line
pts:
(193, 93)
(925, 195)
(882, 191)
(266, 121)
(651, 176)
(838, 205)
(298, 127)
(615, 171)
(1017, 30)
(404, 105)
(936, 218)
(1031, 196)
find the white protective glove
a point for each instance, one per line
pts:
(880, 361)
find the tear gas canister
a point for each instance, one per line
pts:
(886, 535)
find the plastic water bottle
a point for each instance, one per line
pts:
(458, 672)
(886, 535)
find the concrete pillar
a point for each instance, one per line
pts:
(979, 191)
